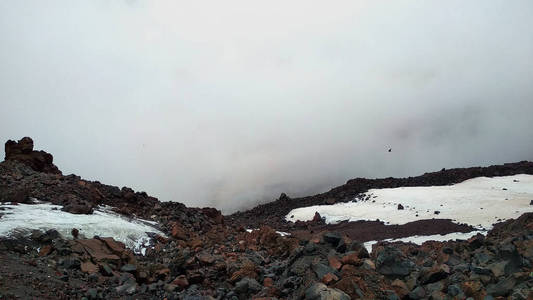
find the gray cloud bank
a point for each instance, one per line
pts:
(230, 103)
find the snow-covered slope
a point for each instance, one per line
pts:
(479, 202)
(23, 218)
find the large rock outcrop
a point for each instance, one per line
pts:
(22, 151)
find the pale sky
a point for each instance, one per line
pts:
(230, 103)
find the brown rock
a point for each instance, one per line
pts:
(78, 209)
(334, 262)
(247, 270)
(161, 239)
(196, 243)
(351, 258)
(98, 250)
(178, 232)
(349, 270)
(350, 286)
(268, 282)
(89, 267)
(214, 214)
(45, 250)
(472, 288)
(142, 276)
(329, 278)
(205, 258)
(115, 246)
(368, 264)
(400, 288)
(181, 281)
(317, 218)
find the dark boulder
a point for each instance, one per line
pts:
(502, 287)
(391, 261)
(332, 238)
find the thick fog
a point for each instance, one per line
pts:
(230, 103)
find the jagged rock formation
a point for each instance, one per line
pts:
(22, 151)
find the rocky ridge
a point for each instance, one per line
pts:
(209, 256)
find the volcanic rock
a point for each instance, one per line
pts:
(248, 285)
(75, 233)
(392, 261)
(319, 291)
(178, 232)
(329, 278)
(22, 151)
(89, 267)
(334, 262)
(79, 209)
(181, 281)
(332, 238)
(502, 288)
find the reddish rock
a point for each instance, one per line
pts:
(329, 278)
(45, 250)
(247, 270)
(351, 259)
(349, 285)
(196, 243)
(178, 232)
(98, 250)
(317, 218)
(400, 288)
(334, 262)
(214, 214)
(181, 281)
(268, 282)
(205, 258)
(89, 267)
(161, 239)
(349, 270)
(115, 246)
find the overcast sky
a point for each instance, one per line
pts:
(230, 103)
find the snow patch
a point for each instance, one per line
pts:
(479, 202)
(420, 239)
(278, 232)
(23, 218)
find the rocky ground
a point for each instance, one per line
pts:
(210, 256)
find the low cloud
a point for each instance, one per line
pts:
(228, 104)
